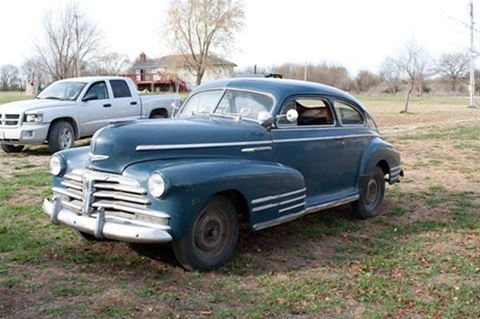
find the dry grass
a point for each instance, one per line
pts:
(420, 259)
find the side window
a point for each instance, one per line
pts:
(99, 89)
(311, 111)
(347, 114)
(120, 88)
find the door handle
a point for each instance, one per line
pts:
(133, 103)
(107, 105)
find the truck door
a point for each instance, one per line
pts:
(125, 105)
(95, 111)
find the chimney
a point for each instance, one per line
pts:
(143, 58)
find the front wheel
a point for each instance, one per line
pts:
(7, 148)
(212, 239)
(61, 136)
(372, 191)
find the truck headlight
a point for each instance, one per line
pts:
(157, 185)
(57, 165)
(33, 118)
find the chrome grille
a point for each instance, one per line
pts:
(9, 119)
(86, 191)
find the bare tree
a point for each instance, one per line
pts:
(365, 80)
(197, 27)
(70, 41)
(390, 74)
(453, 66)
(412, 62)
(9, 77)
(112, 63)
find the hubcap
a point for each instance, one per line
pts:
(372, 192)
(211, 233)
(66, 138)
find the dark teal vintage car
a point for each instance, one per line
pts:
(255, 151)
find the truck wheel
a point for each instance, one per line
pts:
(61, 136)
(7, 148)
(212, 239)
(372, 191)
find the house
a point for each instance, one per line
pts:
(171, 71)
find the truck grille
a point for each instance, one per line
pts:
(86, 191)
(9, 119)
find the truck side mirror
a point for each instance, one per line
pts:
(90, 97)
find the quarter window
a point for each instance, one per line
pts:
(311, 111)
(347, 114)
(120, 88)
(99, 89)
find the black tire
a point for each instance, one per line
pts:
(7, 148)
(159, 114)
(61, 136)
(372, 191)
(212, 239)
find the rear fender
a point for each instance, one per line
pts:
(379, 152)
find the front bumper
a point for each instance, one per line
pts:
(105, 227)
(26, 134)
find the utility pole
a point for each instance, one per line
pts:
(471, 87)
(305, 71)
(77, 51)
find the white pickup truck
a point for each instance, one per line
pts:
(71, 109)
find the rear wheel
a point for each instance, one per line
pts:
(372, 191)
(7, 148)
(61, 136)
(212, 239)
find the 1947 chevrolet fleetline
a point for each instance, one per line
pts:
(260, 151)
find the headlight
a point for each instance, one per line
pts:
(33, 118)
(57, 165)
(157, 185)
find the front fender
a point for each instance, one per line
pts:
(376, 151)
(193, 182)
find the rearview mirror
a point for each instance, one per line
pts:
(90, 97)
(292, 115)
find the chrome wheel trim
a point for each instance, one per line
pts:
(65, 139)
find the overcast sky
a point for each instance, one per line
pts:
(357, 34)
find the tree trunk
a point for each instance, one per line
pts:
(407, 100)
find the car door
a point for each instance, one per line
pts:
(125, 105)
(356, 136)
(96, 111)
(312, 144)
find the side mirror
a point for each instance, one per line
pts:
(292, 115)
(90, 97)
(265, 119)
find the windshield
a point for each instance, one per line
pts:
(64, 91)
(247, 104)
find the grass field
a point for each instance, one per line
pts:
(420, 259)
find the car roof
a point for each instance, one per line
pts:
(279, 88)
(88, 79)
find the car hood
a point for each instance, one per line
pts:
(31, 105)
(116, 147)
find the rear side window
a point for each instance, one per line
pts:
(120, 88)
(347, 114)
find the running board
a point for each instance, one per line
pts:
(309, 210)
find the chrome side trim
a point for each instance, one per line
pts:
(272, 197)
(334, 203)
(257, 149)
(97, 157)
(140, 148)
(293, 200)
(291, 207)
(290, 217)
(324, 138)
(256, 209)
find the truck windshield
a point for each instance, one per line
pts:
(247, 104)
(64, 91)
